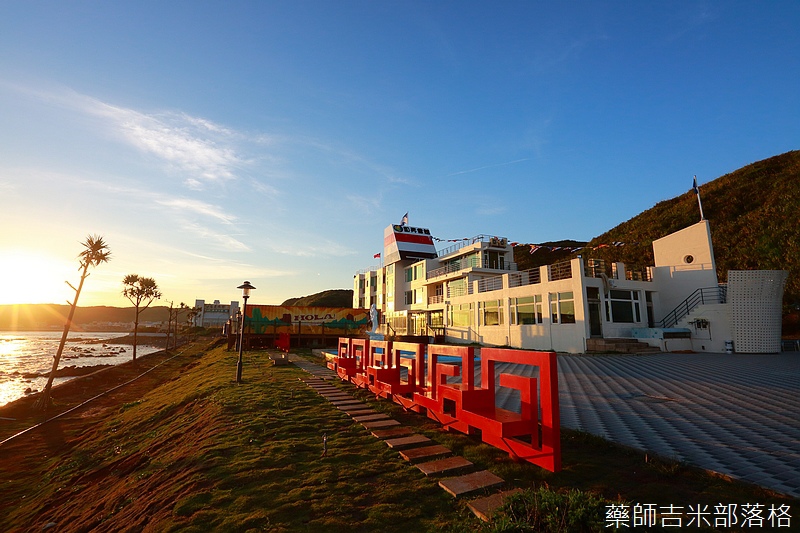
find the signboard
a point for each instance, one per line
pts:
(267, 319)
(406, 242)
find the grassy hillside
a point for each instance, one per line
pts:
(329, 298)
(754, 214)
(187, 449)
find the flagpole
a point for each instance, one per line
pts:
(699, 202)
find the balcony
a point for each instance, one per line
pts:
(438, 299)
(500, 242)
(526, 277)
(466, 263)
(562, 270)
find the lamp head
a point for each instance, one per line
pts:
(246, 288)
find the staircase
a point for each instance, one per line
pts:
(706, 295)
(596, 345)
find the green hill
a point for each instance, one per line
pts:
(329, 298)
(754, 214)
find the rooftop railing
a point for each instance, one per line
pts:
(501, 242)
(490, 284)
(468, 262)
(562, 270)
(526, 277)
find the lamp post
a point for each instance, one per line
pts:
(246, 288)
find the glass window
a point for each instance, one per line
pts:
(527, 310)
(562, 307)
(624, 307)
(492, 312)
(461, 315)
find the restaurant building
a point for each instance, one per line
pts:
(472, 292)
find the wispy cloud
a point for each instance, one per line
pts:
(469, 171)
(196, 148)
(184, 212)
(491, 210)
(198, 207)
(183, 144)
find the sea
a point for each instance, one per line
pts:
(26, 357)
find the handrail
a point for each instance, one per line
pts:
(717, 295)
(491, 239)
(490, 284)
(562, 270)
(531, 276)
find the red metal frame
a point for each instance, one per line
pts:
(461, 406)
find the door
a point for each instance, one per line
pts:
(595, 324)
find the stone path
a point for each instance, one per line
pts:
(430, 458)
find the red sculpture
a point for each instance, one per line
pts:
(283, 342)
(380, 366)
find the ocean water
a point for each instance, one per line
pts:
(26, 357)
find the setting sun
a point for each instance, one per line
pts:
(31, 277)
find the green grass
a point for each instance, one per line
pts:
(201, 453)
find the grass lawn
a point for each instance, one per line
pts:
(187, 449)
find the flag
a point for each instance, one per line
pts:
(694, 186)
(376, 256)
(534, 248)
(404, 222)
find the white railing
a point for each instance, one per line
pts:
(453, 292)
(493, 240)
(490, 284)
(526, 277)
(455, 266)
(561, 270)
(435, 299)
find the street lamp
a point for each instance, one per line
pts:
(246, 288)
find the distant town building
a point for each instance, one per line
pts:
(214, 315)
(472, 292)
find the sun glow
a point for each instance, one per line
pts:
(31, 277)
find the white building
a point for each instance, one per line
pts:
(472, 292)
(214, 315)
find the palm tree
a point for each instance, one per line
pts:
(139, 290)
(95, 251)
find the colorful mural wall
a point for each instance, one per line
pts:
(269, 319)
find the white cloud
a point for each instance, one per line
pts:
(198, 207)
(196, 148)
(490, 211)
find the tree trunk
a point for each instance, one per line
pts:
(135, 332)
(45, 402)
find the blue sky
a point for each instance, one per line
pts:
(213, 142)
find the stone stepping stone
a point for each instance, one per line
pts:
(370, 418)
(356, 409)
(392, 432)
(404, 442)
(415, 455)
(484, 507)
(440, 466)
(469, 483)
(338, 397)
(380, 424)
(347, 403)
